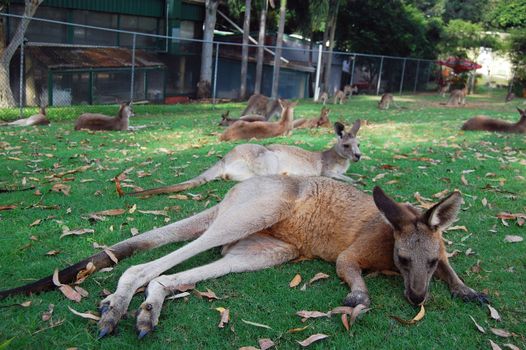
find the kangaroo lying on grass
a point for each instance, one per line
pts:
(227, 121)
(483, 123)
(94, 121)
(37, 119)
(262, 105)
(321, 121)
(267, 221)
(249, 160)
(243, 130)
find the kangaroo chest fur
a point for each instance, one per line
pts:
(323, 222)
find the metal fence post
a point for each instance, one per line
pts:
(402, 78)
(416, 75)
(379, 76)
(352, 74)
(21, 87)
(133, 67)
(215, 76)
(318, 71)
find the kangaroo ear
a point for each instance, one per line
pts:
(521, 111)
(444, 213)
(395, 214)
(356, 127)
(293, 104)
(338, 129)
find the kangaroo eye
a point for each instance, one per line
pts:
(346, 146)
(358, 145)
(432, 263)
(404, 261)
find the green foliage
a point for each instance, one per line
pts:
(507, 14)
(460, 37)
(517, 53)
(467, 10)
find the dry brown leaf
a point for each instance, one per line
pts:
(178, 296)
(35, 223)
(83, 293)
(463, 180)
(179, 196)
(248, 348)
(111, 255)
(419, 316)
(510, 216)
(342, 310)
(109, 212)
(494, 346)
(312, 314)
(70, 293)
(53, 252)
(265, 343)
(185, 287)
(26, 303)
(379, 176)
(312, 339)
(84, 314)
(360, 308)
(318, 276)
(208, 294)
(84, 273)
(441, 194)
(132, 209)
(500, 332)
(493, 313)
(46, 315)
(455, 228)
(511, 346)
(480, 329)
(7, 207)
(118, 186)
(295, 281)
(61, 188)
(423, 202)
(476, 268)
(256, 324)
(296, 330)
(154, 212)
(77, 232)
(513, 239)
(56, 280)
(225, 316)
(345, 321)
(134, 231)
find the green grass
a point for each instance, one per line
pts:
(419, 149)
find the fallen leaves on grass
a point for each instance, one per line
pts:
(422, 201)
(513, 239)
(134, 231)
(68, 292)
(53, 252)
(178, 296)
(225, 316)
(61, 188)
(296, 330)
(111, 255)
(295, 281)
(317, 277)
(84, 273)
(419, 316)
(265, 344)
(494, 346)
(7, 207)
(305, 315)
(255, 324)
(312, 339)
(77, 232)
(46, 315)
(109, 212)
(208, 294)
(87, 315)
(494, 314)
(501, 332)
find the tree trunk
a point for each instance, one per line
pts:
(244, 52)
(333, 17)
(6, 95)
(205, 82)
(279, 44)
(261, 43)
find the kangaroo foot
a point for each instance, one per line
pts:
(357, 297)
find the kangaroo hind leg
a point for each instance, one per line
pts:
(256, 252)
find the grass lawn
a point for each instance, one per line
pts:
(418, 149)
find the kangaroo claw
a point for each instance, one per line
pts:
(103, 332)
(142, 333)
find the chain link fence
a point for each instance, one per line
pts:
(66, 64)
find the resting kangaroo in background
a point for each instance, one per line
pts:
(483, 123)
(321, 121)
(93, 121)
(227, 121)
(323, 98)
(249, 160)
(262, 105)
(339, 97)
(37, 119)
(267, 221)
(243, 130)
(457, 97)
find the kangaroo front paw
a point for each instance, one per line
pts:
(357, 297)
(112, 309)
(468, 294)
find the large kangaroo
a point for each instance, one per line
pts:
(243, 130)
(227, 121)
(37, 119)
(262, 105)
(321, 122)
(94, 121)
(386, 101)
(267, 221)
(457, 97)
(483, 123)
(249, 160)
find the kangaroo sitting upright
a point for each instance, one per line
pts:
(457, 97)
(269, 220)
(323, 98)
(37, 119)
(94, 121)
(249, 160)
(321, 122)
(262, 105)
(385, 101)
(227, 121)
(243, 130)
(483, 123)
(339, 97)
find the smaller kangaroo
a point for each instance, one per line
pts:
(227, 121)
(37, 119)
(322, 121)
(244, 130)
(339, 97)
(509, 96)
(348, 90)
(386, 101)
(323, 98)
(262, 105)
(94, 121)
(457, 97)
(248, 160)
(443, 89)
(483, 123)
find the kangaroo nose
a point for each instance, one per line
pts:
(358, 156)
(416, 298)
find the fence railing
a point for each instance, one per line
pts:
(82, 71)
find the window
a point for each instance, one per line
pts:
(40, 31)
(86, 36)
(139, 24)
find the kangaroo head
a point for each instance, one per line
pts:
(417, 239)
(348, 145)
(324, 115)
(522, 112)
(224, 119)
(126, 110)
